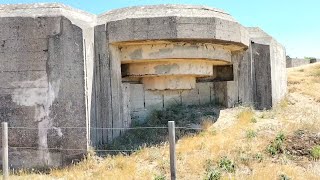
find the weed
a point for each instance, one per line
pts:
(258, 157)
(160, 177)
(227, 165)
(250, 134)
(284, 177)
(253, 120)
(315, 152)
(245, 159)
(276, 145)
(213, 174)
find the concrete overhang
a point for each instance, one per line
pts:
(172, 44)
(76, 16)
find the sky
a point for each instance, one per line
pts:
(294, 23)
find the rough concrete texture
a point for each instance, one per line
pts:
(68, 74)
(277, 62)
(295, 62)
(155, 61)
(43, 83)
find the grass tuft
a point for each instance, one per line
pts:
(315, 152)
(276, 146)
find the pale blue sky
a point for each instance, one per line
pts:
(294, 23)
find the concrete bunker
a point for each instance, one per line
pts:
(171, 65)
(77, 78)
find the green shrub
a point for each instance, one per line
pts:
(213, 174)
(315, 152)
(276, 145)
(160, 177)
(250, 134)
(284, 177)
(253, 120)
(258, 157)
(227, 165)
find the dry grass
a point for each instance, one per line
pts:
(305, 80)
(226, 138)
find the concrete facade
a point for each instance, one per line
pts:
(296, 62)
(67, 74)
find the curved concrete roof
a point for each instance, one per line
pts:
(79, 17)
(151, 22)
(163, 11)
(56, 9)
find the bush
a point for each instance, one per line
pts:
(258, 157)
(213, 174)
(276, 145)
(315, 152)
(226, 165)
(254, 120)
(250, 134)
(284, 177)
(160, 177)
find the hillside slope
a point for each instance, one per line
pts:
(242, 144)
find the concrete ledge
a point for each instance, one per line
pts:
(153, 11)
(220, 31)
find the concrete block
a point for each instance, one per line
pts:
(23, 45)
(29, 28)
(190, 97)
(23, 61)
(137, 97)
(171, 98)
(154, 100)
(23, 79)
(220, 93)
(205, 95)
(262, 86)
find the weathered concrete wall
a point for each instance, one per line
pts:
(42, 87)
(277, 63)
(44, 58)
(295, 62)
(240, 89)
(110, 107)
(278, 71)
(143, 102)
(262, 76)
